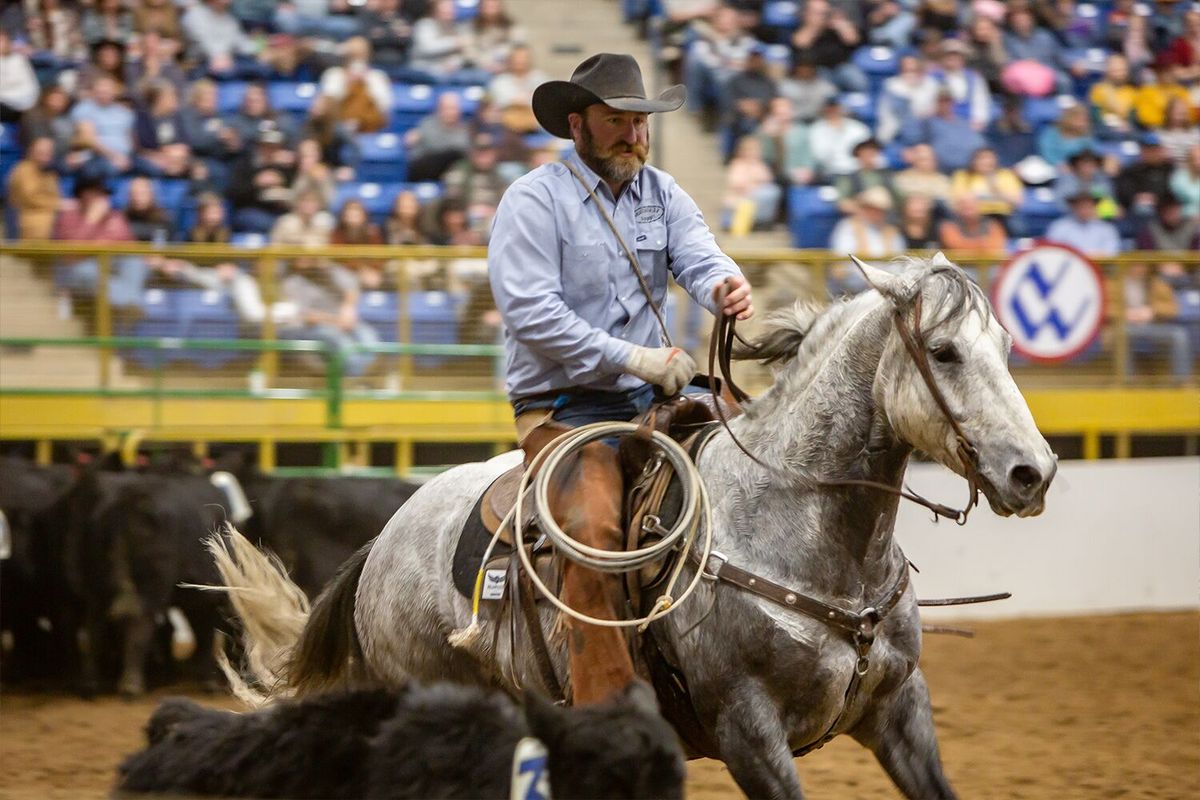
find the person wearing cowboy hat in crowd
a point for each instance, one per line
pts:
(865, 231)
(582, 339)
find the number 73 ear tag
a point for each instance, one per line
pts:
(530, 771)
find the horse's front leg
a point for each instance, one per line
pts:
(899, 731)
(753, 744)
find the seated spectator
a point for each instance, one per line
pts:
(93, 219)
(323, 19)
(969, 93)
(161, 134)
(988, 54)
(107, 60)
(1151, 311)
(312, 174)
(829, 37)
(259, 184)
(922, 178)
(1072, 133)
(440, 139)
(1170, 229)
(1113, 98)
(1083, 173)
(255, 115)
(226, 278)
(997, 188)
(308, 225)
(211, 226)
(784, 143)
(1082, 229)
(906, 98)
(867, 234)
(890, 23)
(106, 128)
(322, 304)
(1184, 50)
(361, 94)
(1185, 183)
(18, 83)
(1010, 135)
(403, 224)
(1025, 41)
(493, 35)
(388, 28)
(917, 225)
(718, 52)
(511, 92)
(968, 230)
(1154, 96)
(336, 139)
(355, 227)
(214, 143)
(216, 37)
(56, 30)
(1180, 132)
(938, 15)
(869, 171)
(159, 18)
(807, 89)
(749, 92)
(49, 119)
(147, 221)
(440, 44)
(1135, 43)
(107, 20)
(751, 194)
(33, 191)
(452, 224)
(833, 137)
(950, 136)
(152, 59)
(478, 181)
(1140, 184)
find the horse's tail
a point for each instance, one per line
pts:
(288, 648)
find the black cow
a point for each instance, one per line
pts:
(26, 603)
(443, 741)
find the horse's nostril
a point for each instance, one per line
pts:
(1025, 476)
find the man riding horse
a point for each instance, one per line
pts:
(578, 263)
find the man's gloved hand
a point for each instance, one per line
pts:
(668, 367)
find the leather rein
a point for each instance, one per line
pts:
(720, 355)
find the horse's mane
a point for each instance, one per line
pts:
(785, 331)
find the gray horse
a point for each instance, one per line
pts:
(848, 402)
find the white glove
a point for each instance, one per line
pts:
(668, 367)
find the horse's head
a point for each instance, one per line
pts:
(950, 325)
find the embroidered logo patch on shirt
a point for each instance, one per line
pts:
(644, 214)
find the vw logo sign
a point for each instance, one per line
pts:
(1050, 298)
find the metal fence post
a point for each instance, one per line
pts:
(1121, 343)
(104, 322)
(331, 452)
(268, 360)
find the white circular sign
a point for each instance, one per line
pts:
(1051, 299)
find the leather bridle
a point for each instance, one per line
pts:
(720, 355)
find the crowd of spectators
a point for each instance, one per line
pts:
(153, 121)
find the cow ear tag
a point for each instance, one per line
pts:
(530, 771)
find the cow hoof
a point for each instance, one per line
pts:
(131, 688)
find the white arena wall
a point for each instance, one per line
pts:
(1115, 536)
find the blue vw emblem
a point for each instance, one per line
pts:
(1051, 299)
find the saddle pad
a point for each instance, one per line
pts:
(472, 544)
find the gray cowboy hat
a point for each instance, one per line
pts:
(615, 80)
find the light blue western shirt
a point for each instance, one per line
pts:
(571, 304)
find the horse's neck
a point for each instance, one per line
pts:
(821, 423)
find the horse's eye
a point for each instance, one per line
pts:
(946, 354)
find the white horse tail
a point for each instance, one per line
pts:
(273, 612)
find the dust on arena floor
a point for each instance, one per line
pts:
(1037, 709)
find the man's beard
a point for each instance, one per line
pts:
(619, 164)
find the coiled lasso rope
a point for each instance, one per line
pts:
(695, 514)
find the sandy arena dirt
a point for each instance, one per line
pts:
(1050, 709)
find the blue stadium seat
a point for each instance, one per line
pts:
(466, 10)
(382, 157)
(860, 105)
(1042, 111)
(1125, 151)
(812, 214)
(294, 98)
(410, 103)
(207, 314)
(377, 198)
(250, 241)
(10, 141)
(783, 14)
(229, 96)
(879, 63)
(432, 317)
(159, 318)
(1038, 209)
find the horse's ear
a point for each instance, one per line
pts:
(939, 260)
(640, 696)
(884, 282)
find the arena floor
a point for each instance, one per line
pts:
(1048, 709)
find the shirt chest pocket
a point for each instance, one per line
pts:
(585, 273)
(651, 252)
